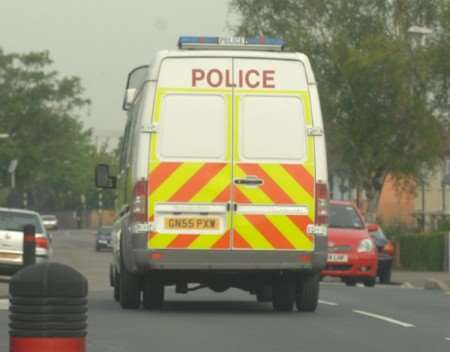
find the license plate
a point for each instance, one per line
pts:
(192, 223)
(338, 258)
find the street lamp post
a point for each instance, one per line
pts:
(12, 170)
(423, 32)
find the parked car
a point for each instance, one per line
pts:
(12, 222)
(385, 250)
(50, 222)
(103, 238)
(352, 253)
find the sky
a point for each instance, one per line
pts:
(100, 41)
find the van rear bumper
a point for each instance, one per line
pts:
(143, 260)
(234, 260)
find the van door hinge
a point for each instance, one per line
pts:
(231, 205)
(150, 128)
(314, 131)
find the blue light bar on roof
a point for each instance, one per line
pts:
(231, 43)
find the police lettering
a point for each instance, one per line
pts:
(223, 78)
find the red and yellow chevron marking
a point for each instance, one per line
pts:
(189, 182)
(283, 184)
(210, 183)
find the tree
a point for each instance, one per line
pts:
(384, 92)
(40, 110)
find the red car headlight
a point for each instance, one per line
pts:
(366, 245)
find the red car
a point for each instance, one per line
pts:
(352, 254)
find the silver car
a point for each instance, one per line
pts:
(12, 222)
(50, 222)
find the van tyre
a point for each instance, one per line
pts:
(283, 293)
(129, 289)
(153, 294)
(307, 293)
(264, 294)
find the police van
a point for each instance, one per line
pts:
(222, 180)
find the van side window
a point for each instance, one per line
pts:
(131, 131)
(193, 127)
(272, 129)
(124, 146)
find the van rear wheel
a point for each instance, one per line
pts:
(307, 295)
(129, 289)
(153, 294)
(283, 293)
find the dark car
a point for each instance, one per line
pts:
(385, 251)
(103, 238)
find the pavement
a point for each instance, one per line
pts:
(420, 279)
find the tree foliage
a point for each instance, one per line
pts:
(41, 110)
(384, 90)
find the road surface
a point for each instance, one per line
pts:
(384, 318)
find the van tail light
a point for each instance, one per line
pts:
(389, 248)
(321, 203)
(41, 242)
(139, 202)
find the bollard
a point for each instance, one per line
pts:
(48, 309)
(29, 245)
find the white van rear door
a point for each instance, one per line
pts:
(190, 155)
(274, 161)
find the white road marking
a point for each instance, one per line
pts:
(328, 303)
(447, 338)
(382, 317)
(4, 304)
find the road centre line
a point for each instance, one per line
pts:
(382, 317)
(328, 303)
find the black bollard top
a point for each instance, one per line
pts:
(48, 280)
(29, 230)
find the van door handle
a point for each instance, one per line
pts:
(250, 181)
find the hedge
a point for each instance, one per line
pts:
(422, 252)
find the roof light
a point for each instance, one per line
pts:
(231, 43)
